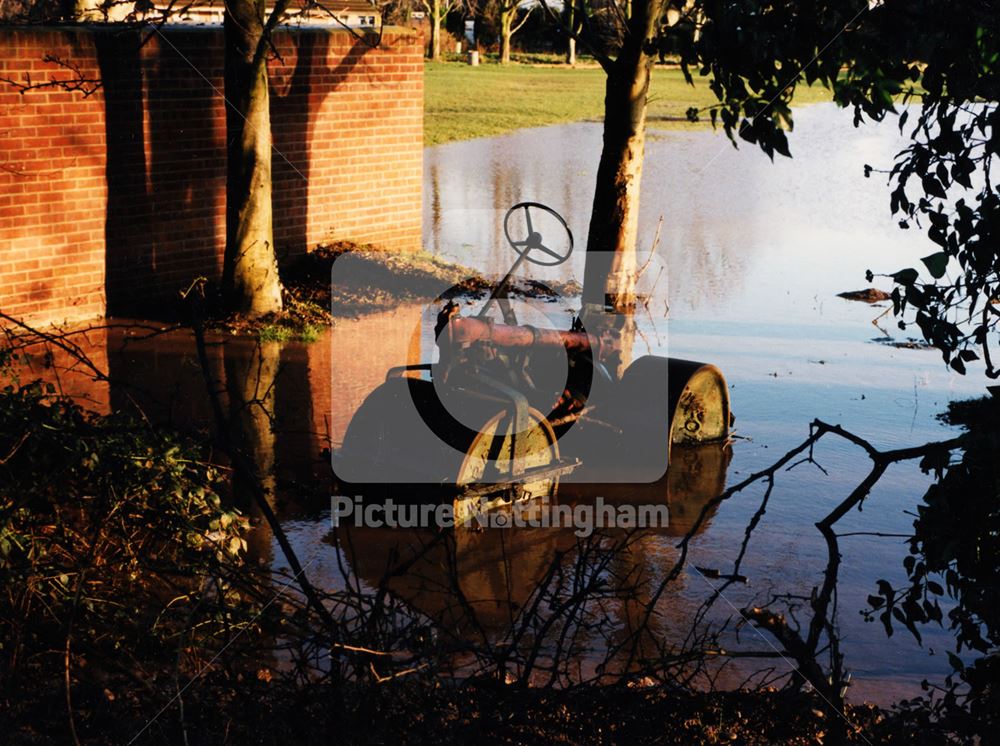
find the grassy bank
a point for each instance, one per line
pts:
(463, 102)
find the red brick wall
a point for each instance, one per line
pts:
(115, 198)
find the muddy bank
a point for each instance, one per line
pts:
(368, 281)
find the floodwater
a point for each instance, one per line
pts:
(750, 259)
(753, 254)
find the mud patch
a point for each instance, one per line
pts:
(379, 280)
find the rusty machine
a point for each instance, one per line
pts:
(508, 408)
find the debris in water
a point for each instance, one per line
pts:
(868, 295)
(910, 343)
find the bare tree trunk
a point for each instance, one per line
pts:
(571, 25)
(436, 31)
(250, 279)
(610, 274)
(506, 24)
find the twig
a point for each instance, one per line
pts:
(80, 83)
(652, 250)
(67, 682)
(382, 679)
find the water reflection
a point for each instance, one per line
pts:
(284, 406)
(474, 578)
(739, 232)
(696, 476)
(307, 408)
(250, 383)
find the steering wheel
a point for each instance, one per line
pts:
(533, 241)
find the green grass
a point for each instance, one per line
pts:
(463, 102)
(283, 333)
(309, 333)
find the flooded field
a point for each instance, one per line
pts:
(754, 256)
(750, 260)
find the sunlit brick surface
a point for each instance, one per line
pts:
(117, 198)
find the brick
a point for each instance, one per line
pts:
(358, 139)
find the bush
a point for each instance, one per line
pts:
(120, 565)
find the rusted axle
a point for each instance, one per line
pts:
(464, 331)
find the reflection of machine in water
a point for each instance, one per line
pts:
(510, 409)
(696, 476)
(492, 572)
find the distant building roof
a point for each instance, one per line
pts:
(356, 13)
(350, 6)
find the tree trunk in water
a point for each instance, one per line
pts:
(436, 31)
(610, 273)
(250, 281)
(506, 23)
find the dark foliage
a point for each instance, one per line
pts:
(955, 553)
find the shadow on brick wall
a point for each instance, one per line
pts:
(164, 194)
(127, 211)
(293, 112)
(166, 155)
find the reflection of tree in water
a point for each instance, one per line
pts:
(546, 608)
(435, 208)
(955, 553)
(707, 265)
(250, 383)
